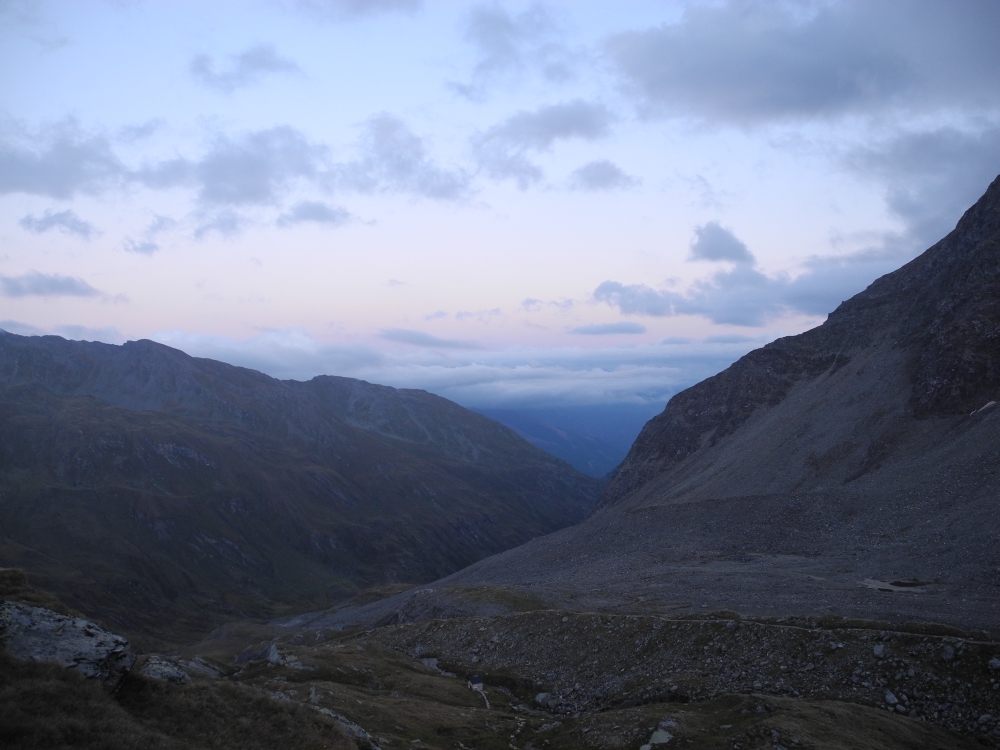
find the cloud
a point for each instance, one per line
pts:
(481, 315)
(245, 69)
(603, 329)
(66, 222)
(58, 161)
(107, 334)
(35, 284)
(133, 133)
(931, 177)
(641, 374)
(146, 245)
(350, 10)
(754, 62)
(395, 160)
(745, 296)
(314, 211)
(418, 338)
(140, 247)
(227, 223)
(508, 44)
(501, 150)
(714, 242)
(601, 175)
(252, 169)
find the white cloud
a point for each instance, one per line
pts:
(107, 334)
(644, 374)
(502, 150)
(66, 222)
(601, 175)
(350, 10)
(35, 284)
(605, 329)
(510, 44)
(245, 69)
(418, 338)
(315, 212)
(396, 160)
(58, 161)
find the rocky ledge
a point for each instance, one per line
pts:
(38, 634)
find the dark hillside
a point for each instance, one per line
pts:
(167, 493)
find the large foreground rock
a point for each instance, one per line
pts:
(37, 634)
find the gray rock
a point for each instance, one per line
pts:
(947, 653)
(879, 651)
(273, 657)
(660, 737)
(542, 699)
(160, 668)
(891, 699)
(37, 634)
(200, 666)
(994, 663)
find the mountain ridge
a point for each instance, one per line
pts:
(138, 481)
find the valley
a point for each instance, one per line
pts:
(799, 552)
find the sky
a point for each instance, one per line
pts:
(508, 204)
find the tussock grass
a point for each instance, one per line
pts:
(46, 706)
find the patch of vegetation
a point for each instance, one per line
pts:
(46, 706)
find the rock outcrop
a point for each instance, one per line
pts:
(37, 634)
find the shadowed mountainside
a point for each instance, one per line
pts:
(167, 493)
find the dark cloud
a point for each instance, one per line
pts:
(245, 69)
(349, 10)
(59, 162)
(603, 329)
(418, 338)
(714, 242)
(35, 284)
(508, 44)
(314, 211)
(66, 222)
(931, 178)
(752, 62)
(395, 160)
(601, 175)
(502, 150)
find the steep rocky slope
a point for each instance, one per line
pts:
(167, 493)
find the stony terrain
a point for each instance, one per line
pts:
(569, 680)
(165, 494)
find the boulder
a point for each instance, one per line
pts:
(37, 634)
(160, 668)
